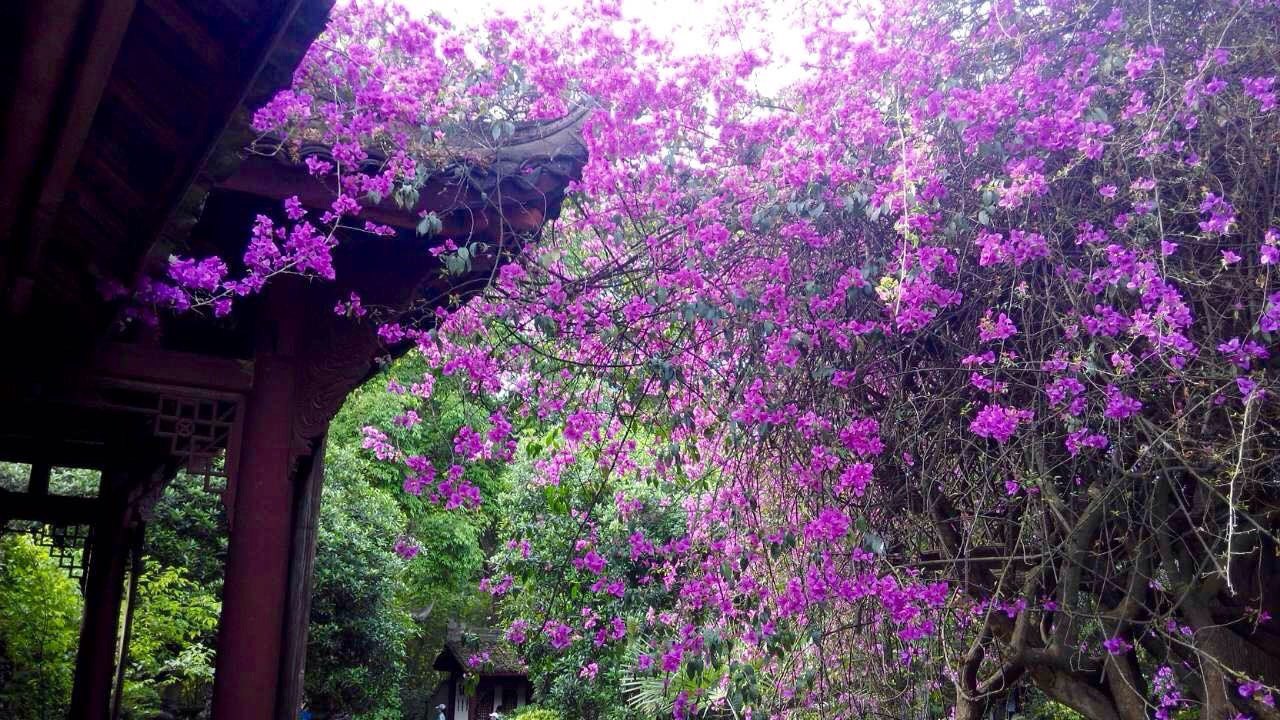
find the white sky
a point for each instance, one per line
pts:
(684, 22)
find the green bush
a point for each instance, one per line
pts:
(1041, 708)
(358, 629)
(40, 611)
(175, 620)
(533, 712)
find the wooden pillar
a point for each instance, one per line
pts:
(136, 544)
(306, 516)
(306, 360)
(104, 590)
(254, 592)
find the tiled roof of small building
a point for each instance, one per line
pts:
(479, 650)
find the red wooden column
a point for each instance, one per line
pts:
(255, 592)
(104, 588)
(310, 481)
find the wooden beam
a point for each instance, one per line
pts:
(104, 592)
(150, 364)
(38, 448)
(306, 521)
(50, 509)
(66, 123)
(249, 60)
(136, 544)
(271, 178)
(38, 480)
(46, 34)
(250, 632)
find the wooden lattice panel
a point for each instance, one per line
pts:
(68, 545)
(199, 430)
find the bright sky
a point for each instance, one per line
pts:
(684, 22)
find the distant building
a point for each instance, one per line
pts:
(501, 680)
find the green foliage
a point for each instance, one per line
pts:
(454, 551)
(439, 584)
(443, 414)
(13, 476)
(443, 576)
(40, 610)
(655, 695)
(78, 482)
(546, 522)
(358, 631)
(188, 530)
(1041, 708)
(171, 647)
(533, 712)
(172, 611)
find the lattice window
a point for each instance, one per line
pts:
(68, 545)
(198, 430)
(201, 428)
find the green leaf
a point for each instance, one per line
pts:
(406, 196)
(430, 224)
(546, 325)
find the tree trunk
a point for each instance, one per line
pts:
(970, 708)
(1076, 693)
(1128, 691)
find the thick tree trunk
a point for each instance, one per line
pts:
(970, 709)
(1076, 693)
(1126, 686)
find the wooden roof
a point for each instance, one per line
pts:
(125, 131)
(107, 122)
(463, 642)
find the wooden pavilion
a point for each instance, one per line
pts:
(500, 680)
(123, 126)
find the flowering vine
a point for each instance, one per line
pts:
(958, 351)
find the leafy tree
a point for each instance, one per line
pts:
(171, 643)
(533, 712)
(592, 541)
(62, 481)
(358, 631)
(40, 610)
(438, 583)
(13, 476)
(1041, 708)
(82, 482)
(188, 530)
(174, 632)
